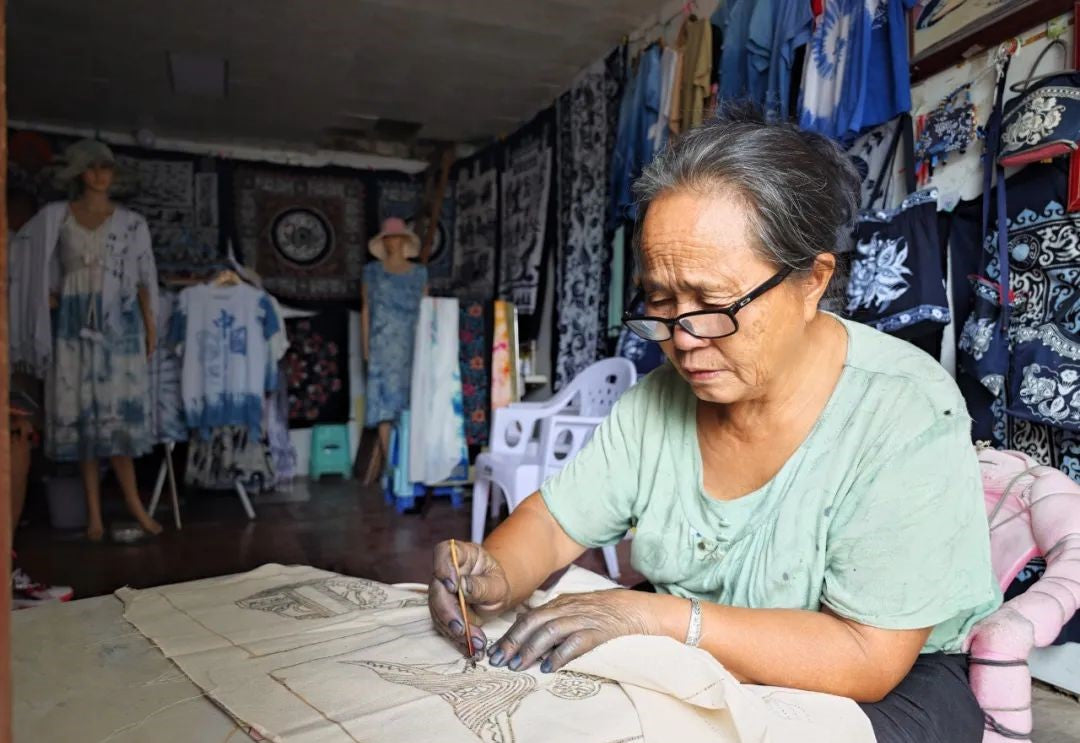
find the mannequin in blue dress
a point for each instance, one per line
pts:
(391, 291)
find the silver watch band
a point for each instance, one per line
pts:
(693, 632)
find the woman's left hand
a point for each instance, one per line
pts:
(572, 625)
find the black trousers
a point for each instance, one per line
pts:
(933, 704)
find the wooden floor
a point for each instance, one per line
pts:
(334, 525)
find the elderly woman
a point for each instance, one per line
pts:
(804, 493)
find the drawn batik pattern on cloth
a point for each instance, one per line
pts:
(308, 656)
(476, 229)
(321, 598)
(525, 190)
(303, 232)
(583, 252)
(402, 196)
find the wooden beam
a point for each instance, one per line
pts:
(5, 434)
(984, 35)
(436, 203)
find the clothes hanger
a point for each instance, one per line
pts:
(1027, 82)
(228, 277)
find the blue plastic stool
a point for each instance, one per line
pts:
(330, 451)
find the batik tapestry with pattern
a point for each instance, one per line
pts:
(166, 405)
(181, 208)
(1044, 273)
(403, 196)
(308, 656)
(583, 252)
(503, 356)
(474, 372)
(476, 227)
(303, 231)
(525, 186)
(317, 369)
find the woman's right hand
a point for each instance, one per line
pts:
(484, 585)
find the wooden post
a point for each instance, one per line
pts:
(436, 203)
(5, 440)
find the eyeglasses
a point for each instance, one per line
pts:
(707, 324)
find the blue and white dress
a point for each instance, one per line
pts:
(97, 389)
(394, 306)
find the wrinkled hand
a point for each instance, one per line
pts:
(484, 584)
(572, 625)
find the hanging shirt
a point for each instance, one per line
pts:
(793, 22)
(759, 49)
(669, 66)
(888, 81)
(835, 69)
(638, 113)
(224, 337)
(696, 73)
(733, 61)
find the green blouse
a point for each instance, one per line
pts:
(878, 514)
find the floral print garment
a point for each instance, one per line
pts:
(317, 368)
(474, 378)
(394, 304)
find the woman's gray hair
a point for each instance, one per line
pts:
(800, 187)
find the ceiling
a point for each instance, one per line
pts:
(462, 69)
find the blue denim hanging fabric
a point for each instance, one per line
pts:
(897, 271)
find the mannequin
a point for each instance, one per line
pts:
(391, 292)
(102, 292)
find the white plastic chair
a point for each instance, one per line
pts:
(531, 441)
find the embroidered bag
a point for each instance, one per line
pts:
(897, 272)
(1042, 122)
(950, 127)
(1044, 372)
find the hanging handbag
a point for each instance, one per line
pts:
(950, 127)
(897, 272)
(1043, 121)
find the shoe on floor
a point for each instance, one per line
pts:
(26, 592)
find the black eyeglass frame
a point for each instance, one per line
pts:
(731, 310)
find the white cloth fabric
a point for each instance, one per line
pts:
(307, 656)
(437, 435)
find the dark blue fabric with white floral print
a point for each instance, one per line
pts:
(897, 281)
